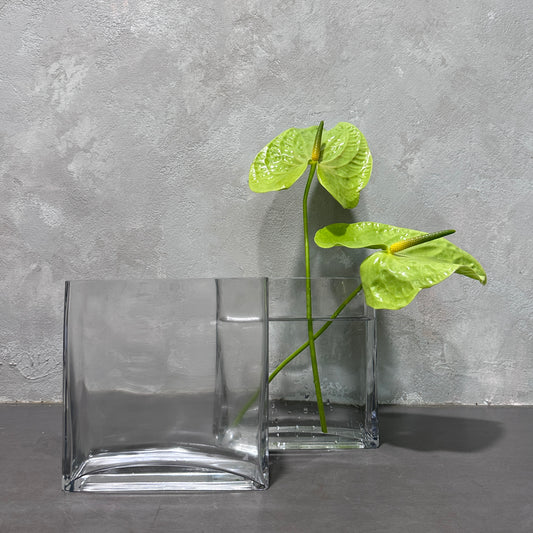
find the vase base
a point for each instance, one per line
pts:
(172, 470)
(296, 426)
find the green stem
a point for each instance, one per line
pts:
(293, 355)
(339, 309)
(309, 305)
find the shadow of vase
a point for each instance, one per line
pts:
(430, 431)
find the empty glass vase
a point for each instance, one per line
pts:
(156, 374)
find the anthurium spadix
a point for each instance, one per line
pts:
(407, 261)
(343, 166)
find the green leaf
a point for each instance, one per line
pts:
(392, 280)
(444, 251)
(362, 235)
(282, 161)
(346, 163)
(343, 169)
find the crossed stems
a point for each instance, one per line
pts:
(297, 352)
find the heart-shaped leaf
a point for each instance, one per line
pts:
(392, 280)
(343, 169)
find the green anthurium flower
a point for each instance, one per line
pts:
(343, 168)
(408, 260)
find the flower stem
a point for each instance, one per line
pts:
(287, 360)
(309, 305)
(315, 157)
(293, 355)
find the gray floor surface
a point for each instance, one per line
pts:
(449, 469)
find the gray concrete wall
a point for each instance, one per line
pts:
(127, 129)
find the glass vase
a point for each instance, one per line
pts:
(346, 356)
(156, 374)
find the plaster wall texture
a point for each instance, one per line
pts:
(127, 129)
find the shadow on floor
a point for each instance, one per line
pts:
(431, 432)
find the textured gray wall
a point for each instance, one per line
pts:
(127, 128)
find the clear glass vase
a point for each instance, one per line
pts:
(156, 374)
(346, 355)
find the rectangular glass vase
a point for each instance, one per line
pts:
(346, 357)
(156, 374)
